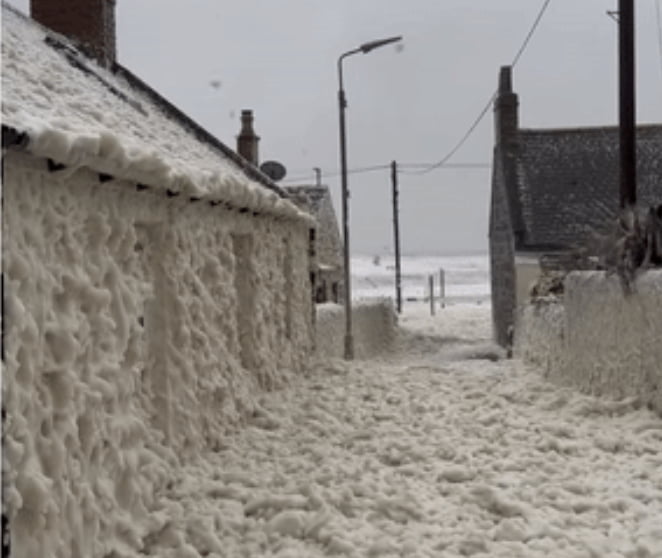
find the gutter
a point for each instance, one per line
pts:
(16, 140)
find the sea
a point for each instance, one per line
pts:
(466, 277)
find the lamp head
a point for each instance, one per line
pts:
(365, 48)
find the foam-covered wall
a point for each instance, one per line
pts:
(138, 329)
(539, 336)
(598, 338)
(527, 271)
(373, 328)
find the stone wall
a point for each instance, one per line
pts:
(502, 256)
(138, 329)
(599, 339)
(373, 326)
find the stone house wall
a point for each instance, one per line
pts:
(502, 258)
(138, 329)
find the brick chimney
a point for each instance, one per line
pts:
(506, 119)
(247, 139)
(506, 131)
(89, 23)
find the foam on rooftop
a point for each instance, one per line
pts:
(82, 115)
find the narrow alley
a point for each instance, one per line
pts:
(442, 448)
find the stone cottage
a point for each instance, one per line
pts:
(154, 283)
(551, 191)
(316, 200)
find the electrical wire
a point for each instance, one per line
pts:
(358, 170)
(463, 139)
(403, 168)
(449, 166)
(443, 162)
(531, 32)
(489, 103)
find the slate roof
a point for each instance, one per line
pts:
(568, 181)
(313, 195)
(63, 106)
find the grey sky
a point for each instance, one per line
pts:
(279, 57)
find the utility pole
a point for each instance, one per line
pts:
(627, 113)
(431, 289)
(396, 237)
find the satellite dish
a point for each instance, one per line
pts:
(274, 170)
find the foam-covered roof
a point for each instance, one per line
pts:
(80, 114)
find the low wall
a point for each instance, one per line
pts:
(373, 327)
(597, 338)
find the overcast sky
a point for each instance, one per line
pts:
(278, 57)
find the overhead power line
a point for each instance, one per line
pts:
(443, 162)
(530, 33)
(463, 139)
(324, 174)
(409, 168)
(487, 106)
(449, 166)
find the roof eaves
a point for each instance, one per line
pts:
(12, 137)
(587, 129)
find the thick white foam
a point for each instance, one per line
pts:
(139, 330)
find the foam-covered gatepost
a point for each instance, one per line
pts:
(598, 338)
(374, 325)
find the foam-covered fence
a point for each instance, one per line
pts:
(138, 329)
(598, 338)
(374, 325)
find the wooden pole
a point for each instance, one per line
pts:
(627, 116)
(431, 289)
(396, 237)
(442, 287)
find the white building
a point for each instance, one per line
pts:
(154, 284)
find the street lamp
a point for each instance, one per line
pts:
(342, 104)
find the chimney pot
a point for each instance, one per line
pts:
(247, 140)
(506, 117)
(89, 23)
(505, 80)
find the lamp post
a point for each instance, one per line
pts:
(342, 105)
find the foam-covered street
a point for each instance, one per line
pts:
(439, 449)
